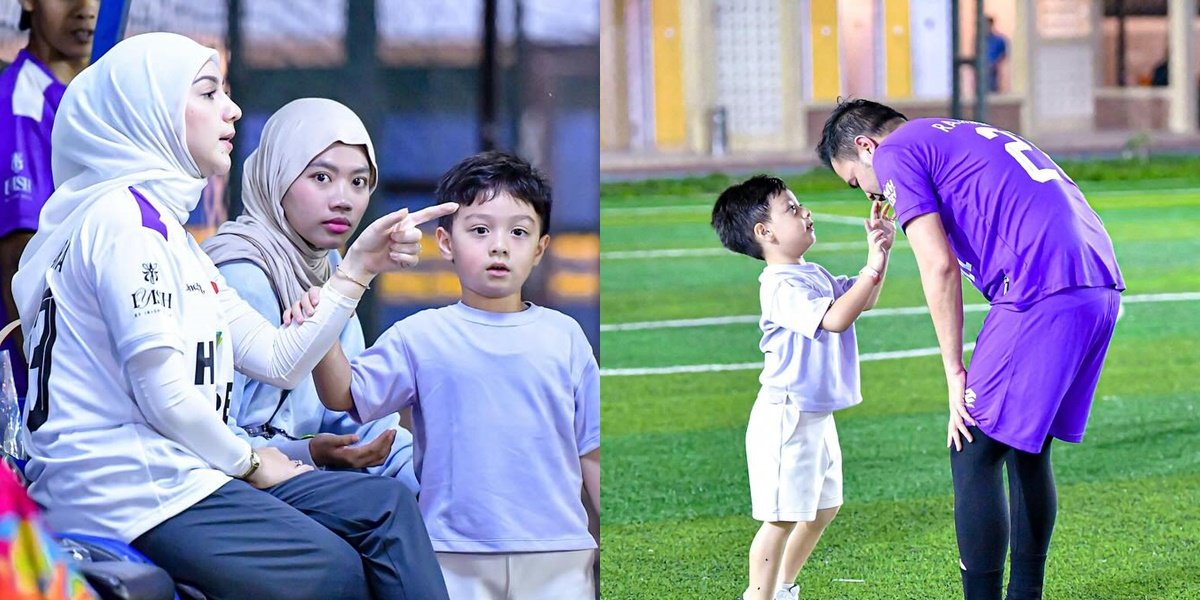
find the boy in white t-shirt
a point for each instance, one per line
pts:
(810, 369)
(505, 398)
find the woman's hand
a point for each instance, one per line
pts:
(391, 243)
(304, 307)
(275, 468)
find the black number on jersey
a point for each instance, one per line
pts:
(39, 410)
(205, 356)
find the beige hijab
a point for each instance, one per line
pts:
(291, 139)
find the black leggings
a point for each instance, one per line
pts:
(985, 524)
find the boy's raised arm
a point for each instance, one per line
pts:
(863, 293)
(881, 221)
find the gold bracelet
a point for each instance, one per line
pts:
(345, 275)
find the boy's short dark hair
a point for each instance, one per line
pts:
(480, 177)
(852, 118)
(740, 207)
(26, 20)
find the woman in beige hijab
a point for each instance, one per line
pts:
(305, 190)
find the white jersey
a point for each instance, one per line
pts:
(817, 368)
(130, 279)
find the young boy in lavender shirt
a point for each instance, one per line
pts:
(505, 397)
(810, 370)
(984, 201)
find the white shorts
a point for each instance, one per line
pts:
(519, 576)
(794, 459)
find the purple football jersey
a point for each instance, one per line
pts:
(1021, 229)
(29, 97)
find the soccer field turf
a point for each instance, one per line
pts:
(676, 518)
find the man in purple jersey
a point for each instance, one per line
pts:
(60, 45)
(983, 202)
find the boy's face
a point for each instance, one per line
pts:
(494, 245)
(790, 233)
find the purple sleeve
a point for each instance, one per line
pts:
(905, 182)
(28, 181)
(382, 378)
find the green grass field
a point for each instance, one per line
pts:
(676, 518)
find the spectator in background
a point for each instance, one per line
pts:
(60, 45)
(997, 51)
(1161, 76)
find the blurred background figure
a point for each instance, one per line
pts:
(58, 47)
(997, 51)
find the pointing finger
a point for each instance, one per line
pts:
(390, 220)
(433, 212)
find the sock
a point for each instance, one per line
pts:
(982, 585)
(1026, 577)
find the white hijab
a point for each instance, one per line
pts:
(120, 124)
(291, 139)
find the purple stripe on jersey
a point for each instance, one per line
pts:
(151, 218)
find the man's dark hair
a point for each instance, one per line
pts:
(26, 20)
(740, 207)
(852, 118)
(480, 177)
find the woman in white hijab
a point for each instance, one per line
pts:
(305, 190)
(133, 337)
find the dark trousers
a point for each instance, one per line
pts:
(987, 520)
(319, 535)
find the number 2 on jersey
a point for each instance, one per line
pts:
(1017, 148)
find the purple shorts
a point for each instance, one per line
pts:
(1034, 371)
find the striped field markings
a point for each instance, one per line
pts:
(702, 252)
(620, 211)
(869, 357)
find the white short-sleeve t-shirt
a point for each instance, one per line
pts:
(816, 367)
(130, 279)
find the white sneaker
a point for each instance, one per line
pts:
(788, 592)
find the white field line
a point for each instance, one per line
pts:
(751, 366)
(878, 312)
(872, 356)
(1164, 191)
(707, 208)
(706, 321)
(701, 252)
(700, 208)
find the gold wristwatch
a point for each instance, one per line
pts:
(254, 464)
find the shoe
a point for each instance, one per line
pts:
(788, 592)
